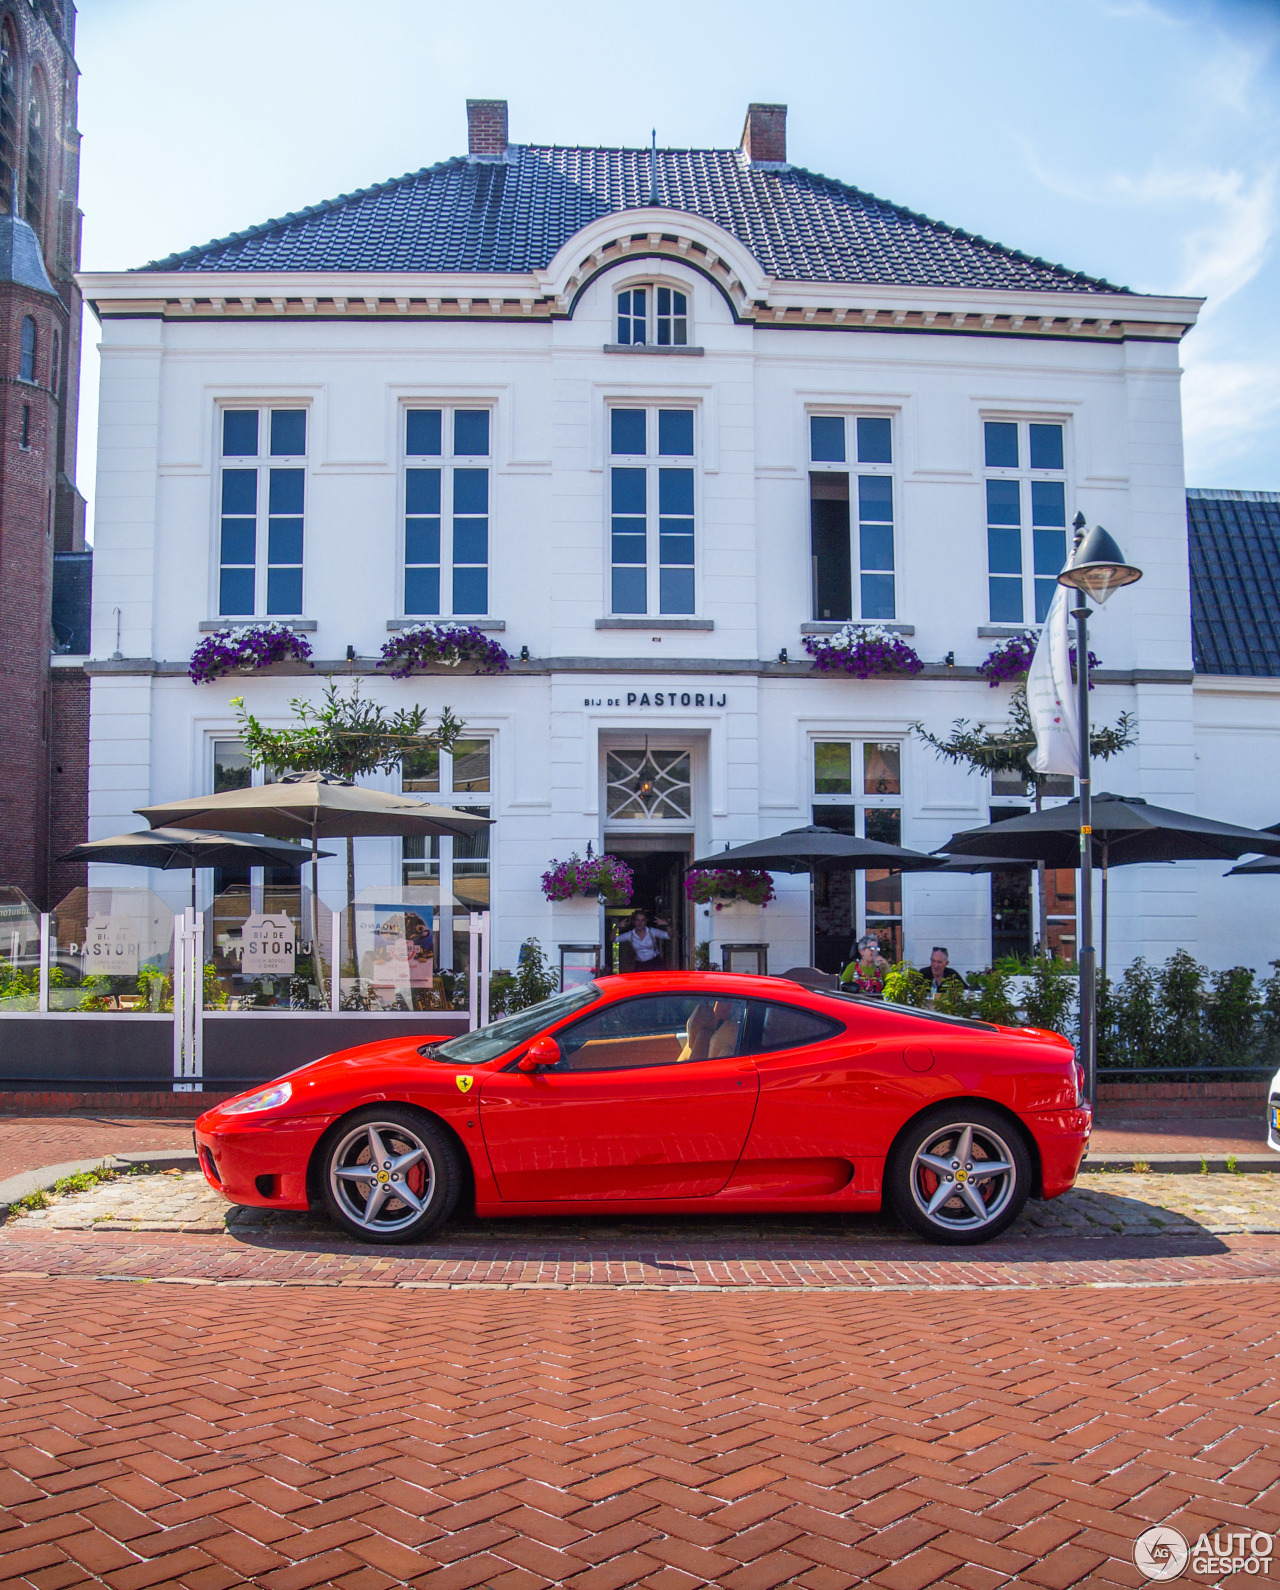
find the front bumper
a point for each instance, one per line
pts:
(1061, 1137)
(256, 1161)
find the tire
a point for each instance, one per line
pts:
(413, 1155)
(927, 1158)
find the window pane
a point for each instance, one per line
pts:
(422, 490)
(833, 767)
(1001, 445)
(875, 547)
(470, 540)
(470, 767)
(239, 490)
(675, 590)
(1050, 551)
(875, 441)
(675, 491)
(284, 590)
(829, 547)
(628, 590)
(240, 433)
(471, 491)
(1045, 592)
(231, 768)
(882, 768)
(626, 431)
(238, 540)
(1004, 551)
(421, 771)
(1046, 446)
(877, 596)
(471, 432)
(875, 497)
(628, 491)
(235, 592)
(664, 300)
(288, 432)
(1048, 502)
(826, 439)
(668, 1030)
(422, 540)
(1004, 502)
(884, 824)
(675, 433)
(785, 1027)
(884, 891)
(629, 541)
(284, 541)
(422, 433)
(471, 590)
(1006, 601)
(422, 591)
(285, 493)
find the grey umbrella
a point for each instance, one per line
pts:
(1253, 869)
(313, 806)
(818, 849)
(1126, 831)
(185, 849)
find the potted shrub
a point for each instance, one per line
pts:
(433, 643)
(867, 651)
(242, 648)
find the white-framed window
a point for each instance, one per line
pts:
(653, 315)
(851, 517)
(262, 494)
(651, 509)
(454, 874)
(857, 789)
(1026, 500)
(446, 511)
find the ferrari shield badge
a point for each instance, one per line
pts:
(464, 1084)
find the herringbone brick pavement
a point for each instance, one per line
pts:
(206, 1437)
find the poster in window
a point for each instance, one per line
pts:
(111, 947)
(270, 946)
(396, 953)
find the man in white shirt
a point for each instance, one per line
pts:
(645, 941)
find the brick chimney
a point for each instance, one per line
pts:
(487, 128)
(764, 135)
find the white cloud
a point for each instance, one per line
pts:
(1226, 405)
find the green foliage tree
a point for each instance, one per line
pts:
(347, 737)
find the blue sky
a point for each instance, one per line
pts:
(1134, 139)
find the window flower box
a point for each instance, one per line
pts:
(867, 651)
(605, 877)
(441, 644)
(244, 648)
(721, 886)
(1008, 663)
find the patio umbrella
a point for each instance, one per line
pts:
(1252, 869)
(185, 849)
(1126, 831)
(818, 849)
(313, 806)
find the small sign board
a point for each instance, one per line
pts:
(111, 947)
(269, 946)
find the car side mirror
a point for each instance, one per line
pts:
(541, 1053)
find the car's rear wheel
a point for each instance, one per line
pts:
(390, 1174)
(960, 1174)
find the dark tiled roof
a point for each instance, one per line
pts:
(513, 215)
(1234, 539)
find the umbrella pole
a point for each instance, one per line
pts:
(315, 914)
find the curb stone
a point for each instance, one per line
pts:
(42, 1180)
(1184, 1164)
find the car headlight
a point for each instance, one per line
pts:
(264, 1099)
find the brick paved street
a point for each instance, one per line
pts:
(30, 1141)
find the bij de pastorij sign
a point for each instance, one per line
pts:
(659, 698)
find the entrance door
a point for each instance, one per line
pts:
(652, 1099)
(659, 893)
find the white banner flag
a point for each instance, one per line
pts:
(1051, 695)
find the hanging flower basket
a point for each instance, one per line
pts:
(721, 887)
(867, 651)
(421, 645)
(605, 877)
(1007, 663)
(243, 648)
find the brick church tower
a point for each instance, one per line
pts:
(44, 565)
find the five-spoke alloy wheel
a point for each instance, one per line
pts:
(959, 1174)
(391, 1174)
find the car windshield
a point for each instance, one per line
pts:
(487, 1043)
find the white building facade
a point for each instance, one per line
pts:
(650, 451)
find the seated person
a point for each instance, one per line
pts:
(866, 974)
(939, 971)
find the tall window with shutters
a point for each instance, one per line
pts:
(262, 499)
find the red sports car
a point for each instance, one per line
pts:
(665, 1094)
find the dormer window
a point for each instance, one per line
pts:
(653, 316)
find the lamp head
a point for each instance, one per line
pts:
(1098, 567)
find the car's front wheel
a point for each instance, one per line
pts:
(390, 1174)
(960, 1174)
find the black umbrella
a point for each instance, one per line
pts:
(1253, 869)
(1126, 831)
(185, 849)
(953, 864)
(817, 849)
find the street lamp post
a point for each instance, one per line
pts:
(1096, 569)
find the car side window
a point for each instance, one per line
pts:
(789, 1027)
(662, 1030)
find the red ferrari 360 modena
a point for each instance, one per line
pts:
(668, 1093)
